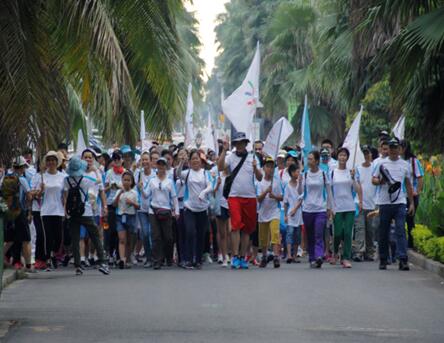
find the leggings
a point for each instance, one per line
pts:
(196, 224)
(52, 227)
(40, 240)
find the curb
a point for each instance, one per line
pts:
(12, 276)
(425, 263)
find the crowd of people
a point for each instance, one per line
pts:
(173, 206)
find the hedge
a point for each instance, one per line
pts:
(428, 244)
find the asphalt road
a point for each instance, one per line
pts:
(292, 304)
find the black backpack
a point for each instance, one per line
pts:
(75, 206)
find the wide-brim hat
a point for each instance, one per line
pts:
(19, 161)
(239, 137)
(54, 154)
(76, 167)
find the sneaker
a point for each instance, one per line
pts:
(220, 259)
(134, 260)
(188, 266)
(228, 258)
(104, 269)
(357, 258)
(169, 263)
(264, 262)
(198, 266)
(235, 263)
(296, 260)
(243, 264)
(157, 266)
(300, 252)
(208, 259)
(319, 262)
(404, 265)
(147, 264)
(255, 263)
(110, 262)
(18, 265)
(121, 264)
(270, 258)
(224, 264)
(79, 272)
(65, 261)
(54, 262)
(382, 265)
(91, 261)
(369, 259)
(289, 260)
(313, 265)
(83, 265)
(276, 263)
(346, 264)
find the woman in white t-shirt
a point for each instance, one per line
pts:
(222, 218)
(344, 187)
(52, 208)
(197, 187)
(143, 177)
(126, 203)
(40, 259)
(314, 184)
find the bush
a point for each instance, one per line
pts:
(428, 244)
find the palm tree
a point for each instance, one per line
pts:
(109, 59)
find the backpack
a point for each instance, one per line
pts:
(75, 206)
(10, 191)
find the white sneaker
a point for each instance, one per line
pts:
(220, 259)
(227, 258)
(208, 259)
(224, 264)
(300, 252)
(134, 260)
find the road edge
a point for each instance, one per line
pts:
(426, 263)
(10, 276)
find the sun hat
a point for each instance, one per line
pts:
(19, 161)
(282, 154)
(239, 137)
(76, 166)
(54, 154)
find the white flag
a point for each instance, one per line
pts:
(146, 144)
(240, 106)
(399, 129)
(277, 136)
(209, 135)
(80, 143)
(189, 129)
(351, 142)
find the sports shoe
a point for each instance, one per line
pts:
(289, 260)
(235, 263)
(296, 260)
(157, 266)
(121, 264)
(224, 264)
(270, 258)
(404, 265)
(220, 259)
(79, 272)
(300, 252)
(147, 264)
(54, 262)
(319, 262)
(188, 266)
(104, 269)
(264, 262)
(18, 265)
(228, 258)
(197, 266)
(133, 260)
(243, 264)
(276, 262)
(208, 259)
(382, 265)
(65, 261)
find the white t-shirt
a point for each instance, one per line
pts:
(110, 179)
(291, 198)
(342, 190)
(94, 199)
(35, 186)
(269, 209)
(315, 191)
(145, 179)
(52, 198)
(243, 184)
(85, 185)
(162, 194)
(122, 206)
(399, 170)
(364, 177)
(196, 183)
(416, 171)
(219, 195)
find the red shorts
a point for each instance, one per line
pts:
(243, 214)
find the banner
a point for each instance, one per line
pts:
(399, 129)
(277, 136)
(240, 106)
(81, 145)
(189, 128)
(292, 108)
(209, 135)
(305, 133)
(351, 142)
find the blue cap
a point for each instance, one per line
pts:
(125, 149)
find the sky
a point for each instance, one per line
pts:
(206, 13)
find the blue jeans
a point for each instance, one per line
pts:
(387, 213)
(146, 230)
(293, 235)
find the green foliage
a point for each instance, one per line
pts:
(428, 244)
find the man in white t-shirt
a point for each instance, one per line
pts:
(242, 197)
(392, 203)
(363, 244)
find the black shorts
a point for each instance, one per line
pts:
(18, 230)
(224, 213)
